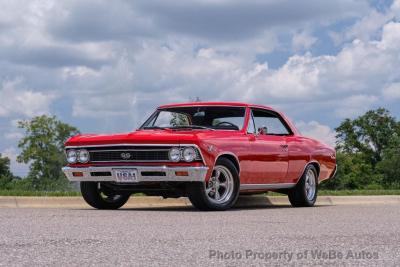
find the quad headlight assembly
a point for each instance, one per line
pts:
(187, 154)
(74, 156)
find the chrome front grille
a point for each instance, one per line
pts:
(128, 155)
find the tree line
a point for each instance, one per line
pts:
(368, 154)
(42, 146)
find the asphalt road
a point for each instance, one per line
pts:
(324, 235)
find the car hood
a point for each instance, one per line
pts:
(137, 137)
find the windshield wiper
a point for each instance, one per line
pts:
(154, 127)
(192, 127)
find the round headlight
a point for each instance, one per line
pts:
(71, 156)
(175, 154)
(189, 154)
(83, 156)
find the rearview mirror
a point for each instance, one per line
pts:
(199, 114)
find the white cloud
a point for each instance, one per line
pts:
(109, 105)
(318, 131)
(303, 41)
(233, 20)
(392, 92)
(368, 27)
(396, 8)
(390, 37)
(355, 105)
(365, 29)
(14, 99)
(349, 82)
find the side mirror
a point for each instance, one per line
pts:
(262, 130)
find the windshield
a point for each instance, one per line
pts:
(217, 118)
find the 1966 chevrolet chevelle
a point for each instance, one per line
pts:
(209, 152)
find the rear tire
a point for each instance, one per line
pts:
(220, 192)
(304, 194)
(101, 197)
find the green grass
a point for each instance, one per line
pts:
(359, 192)
(320, 192)
(39, 193)
(24, 193)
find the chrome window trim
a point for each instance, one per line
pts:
(278, 116)
(217, 105)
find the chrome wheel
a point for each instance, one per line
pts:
(220, 187)
(310, 184)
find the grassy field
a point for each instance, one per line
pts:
(358, 192)
(39, 193)
(321, 193)
(351, 192)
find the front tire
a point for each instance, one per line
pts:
(220, 192)
(304, 194)
(100, 197)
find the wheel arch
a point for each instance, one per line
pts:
(316, 166)
(230, 156)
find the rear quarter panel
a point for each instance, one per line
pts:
(302, 151)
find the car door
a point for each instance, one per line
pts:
(269, 147)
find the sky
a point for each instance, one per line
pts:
(104, 66)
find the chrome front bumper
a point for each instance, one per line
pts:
(144, 173)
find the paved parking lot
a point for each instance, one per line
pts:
(324, 235)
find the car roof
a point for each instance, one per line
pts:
(228, 104)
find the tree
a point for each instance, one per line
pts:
(368, 152)
(369, 134)
(353, 173)
(390, 164)
(42, 147)
(5, 173)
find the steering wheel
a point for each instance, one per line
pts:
(226, 123)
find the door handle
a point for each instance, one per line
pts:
(284, 147)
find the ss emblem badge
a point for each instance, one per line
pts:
(126, 155)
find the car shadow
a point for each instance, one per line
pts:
(243, 203)
(234, 209)
(192, 209)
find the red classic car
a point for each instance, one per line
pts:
(210, 152)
